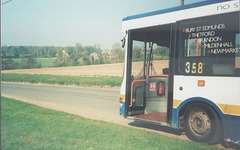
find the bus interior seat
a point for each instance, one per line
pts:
(165, 71)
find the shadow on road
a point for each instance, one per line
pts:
(154, 127)
(177, 133)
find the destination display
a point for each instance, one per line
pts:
(210, 45)
(212, 38)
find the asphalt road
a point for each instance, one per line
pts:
(94, 103)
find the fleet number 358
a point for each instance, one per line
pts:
(194, 67)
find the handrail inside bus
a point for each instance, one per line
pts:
(162, 75)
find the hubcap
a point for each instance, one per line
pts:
(200, 123)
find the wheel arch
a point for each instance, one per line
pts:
(185, 105)
(211, 131)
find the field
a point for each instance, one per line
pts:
(45, 62)
(91, 70)
(26, 126)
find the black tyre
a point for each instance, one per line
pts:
(202, 124)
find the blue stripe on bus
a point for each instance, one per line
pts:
(122, 109)
(231, 128)
(174, 9)
(175, 117)
(231, 123)
(193, 99)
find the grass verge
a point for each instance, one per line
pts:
(63, 80)
(26, 126)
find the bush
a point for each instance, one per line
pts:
(28, 63)
(9, 64)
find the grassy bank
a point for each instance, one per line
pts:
(64, 80)
(26, 126)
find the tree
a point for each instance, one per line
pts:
(79, 50)
(92, 60)
(13, 52)
(22, 51)
(29, 63)
(9, 64)
(32, 63)
(100, 59)
(4, 51)
(117, 52)
(73, 60)
(138, 53)
(162, 51)
(60, 60)
(86, 61)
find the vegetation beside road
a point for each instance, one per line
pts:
(26, 57)
(26, 126)
(58, 56)
(89, 81)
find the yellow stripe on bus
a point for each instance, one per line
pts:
(123, 97)
(226, 108)
(230, 109)
(176, 102)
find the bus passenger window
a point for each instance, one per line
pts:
(194, 47)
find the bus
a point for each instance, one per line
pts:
(182, 69)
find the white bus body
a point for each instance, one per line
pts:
(199, 90)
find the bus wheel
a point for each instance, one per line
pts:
(202, 124)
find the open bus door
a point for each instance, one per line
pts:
(155, 100)
(148, 86)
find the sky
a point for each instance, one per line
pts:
(68, 22)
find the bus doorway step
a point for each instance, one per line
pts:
(156, 117)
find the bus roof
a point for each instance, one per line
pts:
(170, 15)
(198, 4)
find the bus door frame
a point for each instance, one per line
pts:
(172, 59)
(129, 83)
